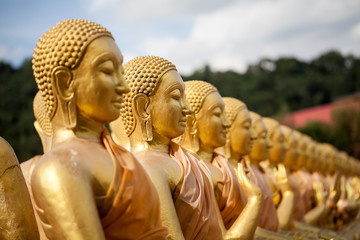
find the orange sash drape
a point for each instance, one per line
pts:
(233, 199)
(195, 202)
(135, 211)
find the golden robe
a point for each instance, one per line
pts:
(232, 200)
(194, 197)
(129, 217)
(268, 219)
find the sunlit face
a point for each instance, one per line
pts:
(98, 81)
(302, 152)
(260, 150)
(279, 148)
(291, 155)
(212, 123)
(241, 133)
(311, 153)
(169, 107)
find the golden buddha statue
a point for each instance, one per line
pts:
(291, 155)
(155, 112)
(17, 220)
(269, 222)
(86, 186)
(206, 130)
(277, 176)
(43, 127)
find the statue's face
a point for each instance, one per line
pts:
(279, 148)
(241, 133)
(302, 153)
(212, 123)
(311, 153)
(98, 81)
(169, 106)
(291, 155)
(260, 150)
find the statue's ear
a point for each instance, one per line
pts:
(62, 80)
(191, 124)
(141, 110)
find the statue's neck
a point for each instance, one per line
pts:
(254, 162)
(85, 128)
(158, 143)
(235, 157)
(234, 161)
(206, 153)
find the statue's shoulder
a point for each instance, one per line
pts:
(65, 160)
(7, 156)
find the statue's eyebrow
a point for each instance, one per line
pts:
(103, 58)
(174, 86)
(215, 105)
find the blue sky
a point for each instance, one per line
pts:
(227, 34)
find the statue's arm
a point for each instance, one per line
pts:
(245, 225)
(313, 216)
(286, 206)
(167, 209)
(65, 201)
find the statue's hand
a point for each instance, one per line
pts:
(319, 192)
(334, 193)
(249, 188)
(282, 180)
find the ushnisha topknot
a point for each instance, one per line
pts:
(143, 75)
(255, 117)
(286, 130)
(41, 115)
(270, 124)
(232, 107)
(196, 91)
(63, 45)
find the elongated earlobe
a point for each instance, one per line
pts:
(194, 134)
(140, 105)
(62, 81)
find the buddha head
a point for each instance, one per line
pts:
(155, 110)
(291, 155)
(278, 150)
(343, 163)
(78, 70)
(207, 127)
(318, 160)
(302, 149)
(311, 153)
(329, 157)
(262, 144)
(42, 122)
(241, 135)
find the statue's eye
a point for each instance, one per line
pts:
(107, 67)
(217, 112)
(175, 94)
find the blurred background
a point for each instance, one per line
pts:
(295, 60)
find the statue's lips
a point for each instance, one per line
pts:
(183, 121)
(118, 101)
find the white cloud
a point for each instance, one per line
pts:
(2, 51)
(355, 32)
(244, 31)
(227, 34)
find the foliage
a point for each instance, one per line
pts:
(275, 87)
(17, 91)
(343, 133)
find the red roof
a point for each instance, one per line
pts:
(320, 113)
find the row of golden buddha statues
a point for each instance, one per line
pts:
(185, 163)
